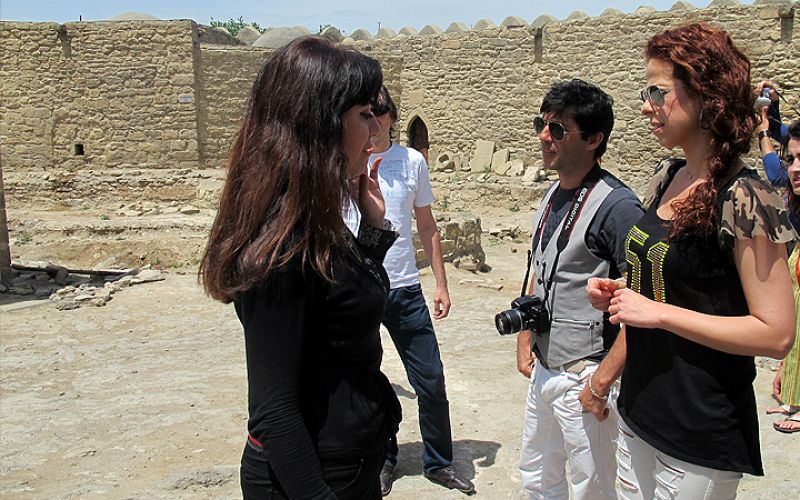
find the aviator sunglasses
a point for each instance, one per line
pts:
(557, 130)
(654, 94)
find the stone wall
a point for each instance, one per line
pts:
(467, 86)
(225, 77)
(154, 108)
(488, 84)
(97, 109)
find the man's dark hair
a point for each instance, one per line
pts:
(590, 107)
(793, 132)
(384, 104)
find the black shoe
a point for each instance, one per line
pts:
(387, 475)
(450, 478)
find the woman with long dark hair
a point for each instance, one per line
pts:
(707, 285)
(309, 295)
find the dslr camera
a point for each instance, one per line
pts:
(527, 312)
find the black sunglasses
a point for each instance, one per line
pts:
(557, 130)
(654, 94)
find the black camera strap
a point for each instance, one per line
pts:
(578, 201)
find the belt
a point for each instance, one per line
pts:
(576, 366)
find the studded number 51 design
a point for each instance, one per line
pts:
(655, 255)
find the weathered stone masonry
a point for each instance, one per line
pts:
(154, 108)
(97, 109)
(100, 114)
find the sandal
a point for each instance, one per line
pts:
(783, 410)
(793, 422)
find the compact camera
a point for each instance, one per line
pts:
(763, 99)
(527, 312)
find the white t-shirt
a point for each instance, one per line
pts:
(405, 184)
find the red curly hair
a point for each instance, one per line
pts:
(713, 69)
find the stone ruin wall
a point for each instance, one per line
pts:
(113, 88)
(155, 106)
(225, 75)
(488, 84)
(155, 109)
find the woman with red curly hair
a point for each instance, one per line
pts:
(708, 285)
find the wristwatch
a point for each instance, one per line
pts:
(762, 134)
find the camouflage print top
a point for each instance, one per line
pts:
(750, 206)
(688, 400)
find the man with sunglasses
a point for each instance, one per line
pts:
(580, 230)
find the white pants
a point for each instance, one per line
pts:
(557, 429)
(646, 473)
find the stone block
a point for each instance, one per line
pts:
(515, 168)
(482, 159)
(415, 98)
(451, 231)
(500, 163)
(448, 247)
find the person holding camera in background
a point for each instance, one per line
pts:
(580, 229)
(784, 172)
(772, 128)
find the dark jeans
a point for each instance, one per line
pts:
(409, 323)
(350, 479)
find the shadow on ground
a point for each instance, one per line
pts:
(467, 455)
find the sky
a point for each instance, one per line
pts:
(346, 15)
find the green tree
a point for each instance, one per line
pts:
(234, 26)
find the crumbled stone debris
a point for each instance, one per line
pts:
(71, 297)
(81, 291)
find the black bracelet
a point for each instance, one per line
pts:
(762, 134)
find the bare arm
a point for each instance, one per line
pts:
(767, 331)
(600, 292)
(603, 378)
(432, 245)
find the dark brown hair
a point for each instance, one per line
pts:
(712, 68)
(793, 134)
(287, 172)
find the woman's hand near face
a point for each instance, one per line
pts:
(367, 192)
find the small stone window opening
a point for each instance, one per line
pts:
(79, 149)
(787, 27)
(537, 46)
(66, 41)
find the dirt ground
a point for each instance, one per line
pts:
(146, 397)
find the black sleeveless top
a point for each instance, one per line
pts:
(687, 400)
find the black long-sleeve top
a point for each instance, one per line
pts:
(313, 363)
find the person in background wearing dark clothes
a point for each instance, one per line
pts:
(771, 128)
(708, 284)
(310, 295)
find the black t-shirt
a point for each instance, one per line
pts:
(606, 235)
(687, 400)
(315, 389)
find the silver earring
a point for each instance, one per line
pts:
(701, 121)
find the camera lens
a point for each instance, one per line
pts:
(508, 322)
